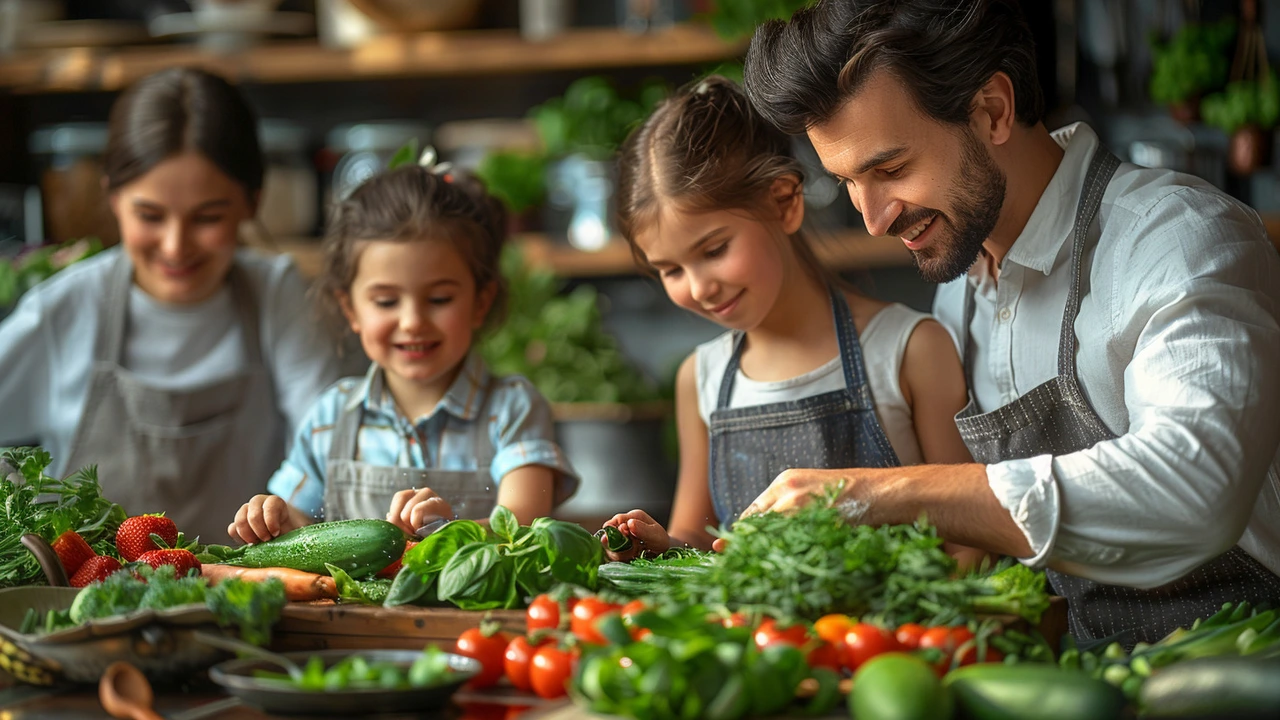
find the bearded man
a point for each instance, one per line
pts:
(1119, 325)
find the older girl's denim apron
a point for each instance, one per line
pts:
(750, 446)
(1055, 418)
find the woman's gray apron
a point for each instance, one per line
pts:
(1055, 418)
(750, 446)
(195, 454)
(353, 489)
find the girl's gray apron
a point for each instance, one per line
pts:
(195, 454)
(751, 446)
(1055, 418)
(353, 489)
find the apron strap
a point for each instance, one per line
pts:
(346, 429)
(247, 307)
(846, 339)
(1101, 168)
(108, 344)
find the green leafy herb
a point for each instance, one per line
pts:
(252, 606)
(1246, 102)
(1193, 62)
(40, 504)
(738, 19)
(518, 179)
(31, 268)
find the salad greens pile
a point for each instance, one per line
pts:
(813, 563)
(479, 568)
(40, 504)
(354, 672)
(251, 606)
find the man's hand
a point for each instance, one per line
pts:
(795, 488)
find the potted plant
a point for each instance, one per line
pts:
(737, 19)
(610, 418)
(1194, 62)
(519, 180)
(1246, 110)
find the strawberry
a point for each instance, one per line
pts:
(181, 560)
(391, 570)
(72, 551)
(134, 536)
(96, 568)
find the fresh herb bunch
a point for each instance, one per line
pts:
(48, 507)
(559, 342)
(813, 563)
(518, 179)
(1246, 102)
(479, 568)
(592, 119)
(1193, 62)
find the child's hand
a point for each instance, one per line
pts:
(410, 509)
(647, 534)
(262, 518)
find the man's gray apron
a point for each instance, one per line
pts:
(1055, 418)
(195, 454)
(353, 489)
(750, 446)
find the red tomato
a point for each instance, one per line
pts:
(865, 641)
(516, 659)
(825, 655)
(735, 620)
(908, 635)
(769, 633)
(939, 638)
(585, 615)
(549, 672)
(632, 608)
(488, 650)
(969, 655)
(544, 612)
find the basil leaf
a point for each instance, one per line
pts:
(467, 567)
(503, 523)
(494, 590)
(429, 557)
(574, 554)
(408, 587)
(532, 573)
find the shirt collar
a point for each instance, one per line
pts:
(462, 399)
(1053, 220)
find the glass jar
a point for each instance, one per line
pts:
(69, 161)
(290, 190)
(366, 149)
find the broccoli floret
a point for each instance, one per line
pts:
(118, 594)
(166, 591)
(252, 606)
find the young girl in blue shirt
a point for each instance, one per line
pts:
(412, 267)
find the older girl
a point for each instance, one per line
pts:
(178, 362)
(810, 373)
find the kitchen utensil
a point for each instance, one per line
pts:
(237, 677)
(125, 693)
(231, 644)
(430, 524)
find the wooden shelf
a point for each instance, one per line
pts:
(848, 250)
(437, 54)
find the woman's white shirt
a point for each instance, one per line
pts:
(884, 343)
(47, 345)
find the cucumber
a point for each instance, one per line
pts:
(992, 691)
(1214, 687)
(360, 547)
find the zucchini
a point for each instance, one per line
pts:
(1217, 687)
(360, 547)
(1030, 692)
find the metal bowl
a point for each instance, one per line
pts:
(159, 642)
(236, 677)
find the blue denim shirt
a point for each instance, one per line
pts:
(514, 416)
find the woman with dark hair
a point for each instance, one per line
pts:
(178, 362)
(1120, 325)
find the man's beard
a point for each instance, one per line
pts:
(976, 199)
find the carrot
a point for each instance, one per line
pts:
(298, 585)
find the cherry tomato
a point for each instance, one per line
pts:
(865, 641)
(488, 649)
(585, 615)
(825, 655)
(832, 628)
(769, 633)
(969, 655)
(946, 640)
(908, 635)
(628, 613)
(938, 638)
(516, 659)
(549, 672)
(544, 612)
(735, 620)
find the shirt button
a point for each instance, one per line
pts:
(1005, 313)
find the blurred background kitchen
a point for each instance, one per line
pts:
(534, 95)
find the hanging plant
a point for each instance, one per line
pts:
(1250, 105)
(1194, 62)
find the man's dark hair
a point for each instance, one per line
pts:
(800, 73)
